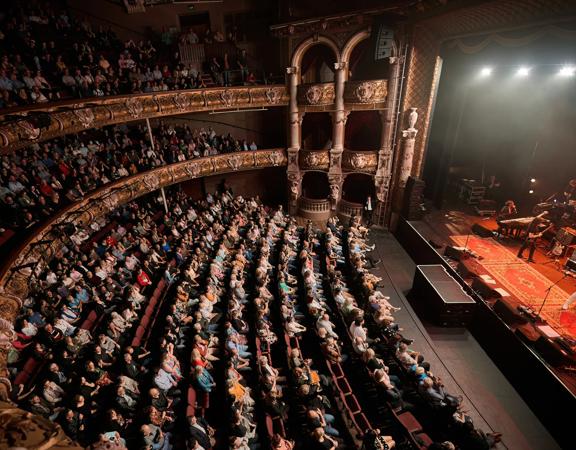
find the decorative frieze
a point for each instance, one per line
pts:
(365, 92)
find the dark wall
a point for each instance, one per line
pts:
(504, 125)
(269, 184)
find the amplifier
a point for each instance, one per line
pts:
(566, 236)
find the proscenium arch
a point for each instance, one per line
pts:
(349, 47)
(311, 42)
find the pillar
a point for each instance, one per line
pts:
(294, 142)
(383, 176)
(408, 144)
(163, 194)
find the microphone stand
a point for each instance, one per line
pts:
(548, 293)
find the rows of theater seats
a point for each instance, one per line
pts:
(48, 54)
(39, 181)
(225, 313)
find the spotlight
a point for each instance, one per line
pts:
(567, 71)
(523, 71)
(531, 191)
(486, 71)
(532, 180)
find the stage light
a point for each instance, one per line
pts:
(486, 71)
(567, 71)
(532, 180)
(523, 71)
(531, 191)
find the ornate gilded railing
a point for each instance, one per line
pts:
(367, 92)
(359, 161)
(317, 94)
(38, 250)
(23, 126)
(314, 159)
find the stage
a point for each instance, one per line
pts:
(527, 283)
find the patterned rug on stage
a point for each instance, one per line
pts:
(491, 251)
(523, 281)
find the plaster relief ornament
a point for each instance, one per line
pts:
(193, 170)
(313, 94)
(134, 107)
(311, 159)
(151, 182)
(275, 158)
(226, 97)
(7, 334)
(234, 162)
(294, 191)
(28, 131)
(358, 161)
(364, 92)
(272, 95)
(182, 101)
(85, 117)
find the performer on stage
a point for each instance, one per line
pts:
(508, 211)
(570, 191)
(569, 301)
(535, 230)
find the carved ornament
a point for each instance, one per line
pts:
(360, 161)
(85, 117)
(315, 159)
(362, 92)
(316, 94)
(134, 107)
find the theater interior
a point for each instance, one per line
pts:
(287, 224)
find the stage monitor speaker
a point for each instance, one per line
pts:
(481, 230)
(453, 253)
(566, 236)
(483, 290)
(508, 313)
(571, 263)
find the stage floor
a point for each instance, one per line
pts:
(527, 281)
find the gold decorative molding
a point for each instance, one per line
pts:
(365, 161)
(366, 92)
(75, 116)
(318, 94)
(39, 249)
(314, 159)
(20, 429)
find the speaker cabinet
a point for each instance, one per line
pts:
(481, 230)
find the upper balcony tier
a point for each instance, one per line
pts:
(358, 95)
(22, 126)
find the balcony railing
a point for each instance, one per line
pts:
(40, 247)
(25, 126)
(350, 209)
(314, 159)
(366, 92)
(315, 209)
(360, 161)
(317, 94)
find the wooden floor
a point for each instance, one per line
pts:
(439, 225)
(459, 360)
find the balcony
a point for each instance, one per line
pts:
(314, 209)
(45, 241)
(360, 161)
(73, 116)
(316, 97)
(348, 209)
(365, 94)
(314, 159)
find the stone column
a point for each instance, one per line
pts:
(408, 141)
(294, 142)
(338, 128)
(383, 176)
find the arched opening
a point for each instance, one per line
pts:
(317, 131)
(363, 131)
(318, 64)
(362, 66)
(315, 185)
(357, 188)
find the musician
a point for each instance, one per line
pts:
(508, 211)
(534, 231)
(569, 301)
(570, 191)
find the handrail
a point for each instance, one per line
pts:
(77, 115)
(35, 251)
